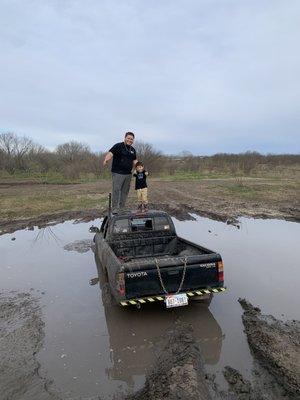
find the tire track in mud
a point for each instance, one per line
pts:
(178, 372)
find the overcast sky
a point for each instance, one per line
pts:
(204, 76)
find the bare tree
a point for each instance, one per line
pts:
(7, 143)
(72, 151)
(16, 149)
(151, 158)
(23, 146)
(76, 158)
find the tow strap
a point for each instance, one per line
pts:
(184, 260)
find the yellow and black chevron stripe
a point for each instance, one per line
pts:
(151, 299)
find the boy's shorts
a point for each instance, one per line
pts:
(142, 195)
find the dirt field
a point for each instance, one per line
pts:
(25, 205)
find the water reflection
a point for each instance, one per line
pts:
(133, 334)
(46, 234)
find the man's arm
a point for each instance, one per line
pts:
(134, 162)
(108, 157)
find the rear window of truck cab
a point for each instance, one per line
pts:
(138, 224)
(126, 225)
(141, 224)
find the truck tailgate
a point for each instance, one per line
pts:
(146, 282)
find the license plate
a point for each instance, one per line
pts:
(176, 300)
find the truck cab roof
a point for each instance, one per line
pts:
(135, 213)
(129, 222)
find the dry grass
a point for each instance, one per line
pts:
(24, 201)
(33, 200)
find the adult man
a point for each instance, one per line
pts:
(124, 159)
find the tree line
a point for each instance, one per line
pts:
(74, 159)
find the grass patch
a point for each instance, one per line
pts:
(46, 202)
(190, 176)
(50, 177)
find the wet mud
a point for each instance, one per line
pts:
(276, 346)
(263, 386)
(179, 370)
(22, 334)
(81, 246)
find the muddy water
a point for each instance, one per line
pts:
(93, 348)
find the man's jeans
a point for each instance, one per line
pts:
(121, 186)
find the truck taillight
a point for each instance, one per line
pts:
(220, 271)
(121, 283)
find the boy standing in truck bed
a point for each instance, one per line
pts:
(141, 186)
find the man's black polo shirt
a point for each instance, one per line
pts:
(123, 157)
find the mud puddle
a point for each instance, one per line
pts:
(92, 348)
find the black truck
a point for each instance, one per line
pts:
(146, 261)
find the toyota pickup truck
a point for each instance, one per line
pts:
(146, 261)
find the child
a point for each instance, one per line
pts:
(141, 186)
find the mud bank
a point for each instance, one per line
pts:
(44, 220)
(263, 385)
(22, 333)
(41, 221)
(178, 372)
(276, 346)
(180, 202)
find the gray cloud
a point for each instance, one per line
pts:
(204, 76)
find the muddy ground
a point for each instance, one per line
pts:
(276, 346)
(179, 371)
(224, 200)
(21, 337)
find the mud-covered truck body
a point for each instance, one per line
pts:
(146, 261)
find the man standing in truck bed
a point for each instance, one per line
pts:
(124, 159)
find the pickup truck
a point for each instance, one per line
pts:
(146, 261)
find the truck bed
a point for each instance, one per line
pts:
(141, 275)
(189, 253)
